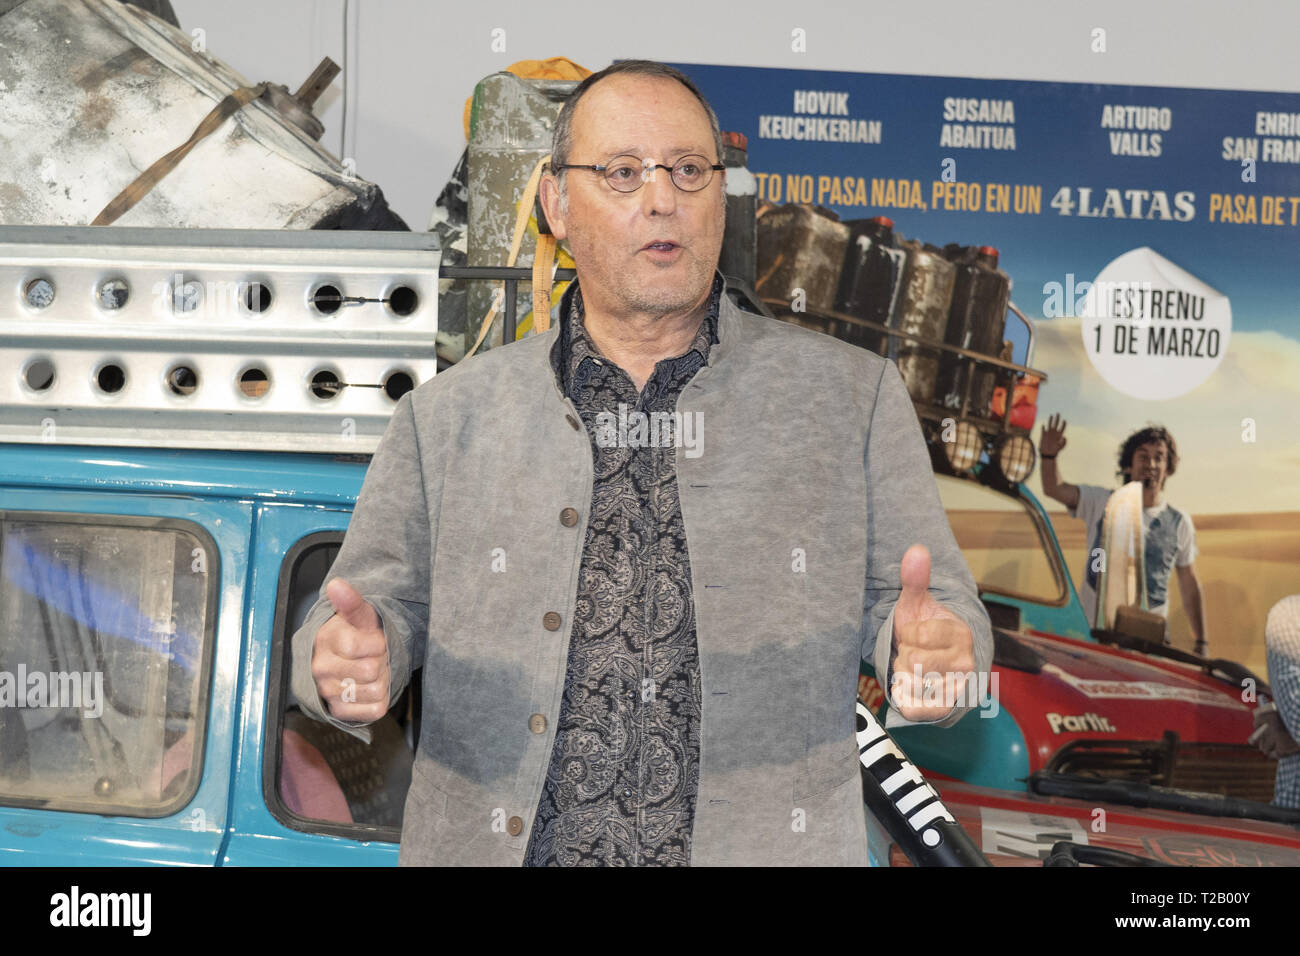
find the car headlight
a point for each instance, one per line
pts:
(1015, 457)
(963, 452)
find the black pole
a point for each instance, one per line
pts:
(508, 323)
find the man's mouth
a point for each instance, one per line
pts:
(660, 245)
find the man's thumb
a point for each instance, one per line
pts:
(350, 605)
(914, 574)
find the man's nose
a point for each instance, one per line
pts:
(658, 193)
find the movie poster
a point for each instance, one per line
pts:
(1152, 237)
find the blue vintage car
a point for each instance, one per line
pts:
(179, 576)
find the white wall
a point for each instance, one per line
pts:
(414, 62)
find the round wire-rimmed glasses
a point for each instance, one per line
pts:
(626, 173)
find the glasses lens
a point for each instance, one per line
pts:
(623, 173)
(692, 172)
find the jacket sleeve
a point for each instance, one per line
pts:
(903, 509)
(385, 555)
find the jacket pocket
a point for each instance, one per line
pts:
(424, 792)
(832, 773)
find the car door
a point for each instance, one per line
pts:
(306, 793)
(120, 616)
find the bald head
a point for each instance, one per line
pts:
(563, 136)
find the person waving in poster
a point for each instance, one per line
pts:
(1150, 456)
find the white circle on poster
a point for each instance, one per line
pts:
(1152, 330)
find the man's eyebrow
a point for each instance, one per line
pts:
(640, 150)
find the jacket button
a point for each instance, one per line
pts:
(551, 621)
(515, 826)
(568, 517)
(573, 422)
(537, 724)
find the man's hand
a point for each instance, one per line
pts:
(1053, 438)
(349, 660)
(936, 650)
(1271, 735)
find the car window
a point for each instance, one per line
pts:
(106, 628)
(318, 778)
(1007, 547)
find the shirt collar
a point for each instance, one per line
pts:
(574, 346)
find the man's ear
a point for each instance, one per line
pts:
(548, 194)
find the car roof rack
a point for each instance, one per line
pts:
(266, 340)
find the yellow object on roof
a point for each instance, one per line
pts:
(555, 68)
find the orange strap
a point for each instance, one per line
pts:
(543, 272)
(146, 181)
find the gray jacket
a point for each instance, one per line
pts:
(809, 482)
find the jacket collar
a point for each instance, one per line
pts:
(728, 330)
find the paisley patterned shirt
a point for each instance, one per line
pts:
(621, 785)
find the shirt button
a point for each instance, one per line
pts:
(569, 517)
(515, 826)
(627, 791)
(551, 621)
(537, 724)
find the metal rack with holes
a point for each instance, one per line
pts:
(184, 338)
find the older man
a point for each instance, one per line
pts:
(642, 555)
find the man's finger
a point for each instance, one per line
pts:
(351, 606)
(904, 689)
(914, 575)
(364, 713)
(929, 696)
(352, 645)
(934, 634)
(350, 691)
(938, 669)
